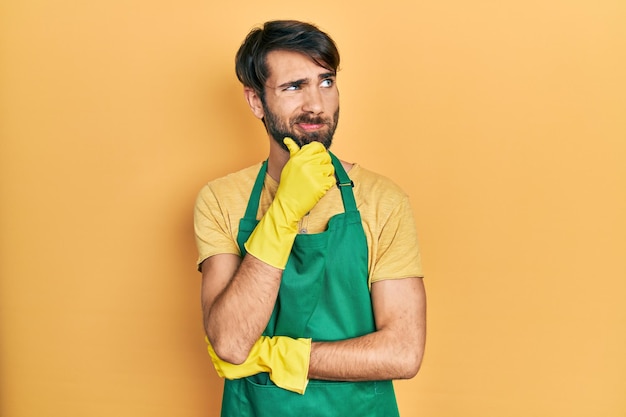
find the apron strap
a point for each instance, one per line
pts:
(345, 184)
(253, 202)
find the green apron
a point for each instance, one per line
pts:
(324, 296)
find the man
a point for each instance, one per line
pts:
(312, 294)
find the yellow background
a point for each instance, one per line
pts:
(505, 121)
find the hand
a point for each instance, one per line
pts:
(284, 358)
(305, 178)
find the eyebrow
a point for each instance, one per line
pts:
(297, 83)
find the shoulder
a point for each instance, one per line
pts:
(389, 225)
(374, 186)
(244, 176)
(231, 185)
(379, 199)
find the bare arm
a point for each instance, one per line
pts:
(238, 298)
(393, 351)
(237, 301)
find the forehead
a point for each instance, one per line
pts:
(286, 66)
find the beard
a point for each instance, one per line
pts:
(280, 130)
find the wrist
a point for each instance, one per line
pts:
(272, 239)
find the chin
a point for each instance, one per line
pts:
(302, 140)
(326, 141)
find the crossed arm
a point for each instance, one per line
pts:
(238, 297)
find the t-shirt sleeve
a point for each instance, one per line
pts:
(397, 255)
(211, 227)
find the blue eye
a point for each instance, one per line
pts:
(328, 82)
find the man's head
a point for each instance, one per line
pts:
(288, 69)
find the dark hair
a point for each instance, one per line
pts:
(289, 35)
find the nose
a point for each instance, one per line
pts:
(313, 102)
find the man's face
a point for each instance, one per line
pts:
(301, 100)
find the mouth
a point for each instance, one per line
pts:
(311, 127)
(310, 124)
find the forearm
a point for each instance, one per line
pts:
(380, 355)
(238, 299)
(237, 316)
(393, 351)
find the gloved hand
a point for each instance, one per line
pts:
(304, 180)
(284, 358)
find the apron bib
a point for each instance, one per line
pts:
(324, 296)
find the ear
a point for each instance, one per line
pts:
(254, 101)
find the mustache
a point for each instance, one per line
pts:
(314, 120)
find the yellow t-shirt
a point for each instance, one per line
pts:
(385, 212)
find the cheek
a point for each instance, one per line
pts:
(284, 105)
(291, 111)
(331, 99)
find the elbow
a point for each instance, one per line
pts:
(413, 369)
(226, 348)
(409, 367)
(228, 353)
(235, 358)
(411, 356)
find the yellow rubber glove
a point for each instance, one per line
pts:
(304, 180)
(284, 358)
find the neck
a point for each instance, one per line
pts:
(276, 161)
